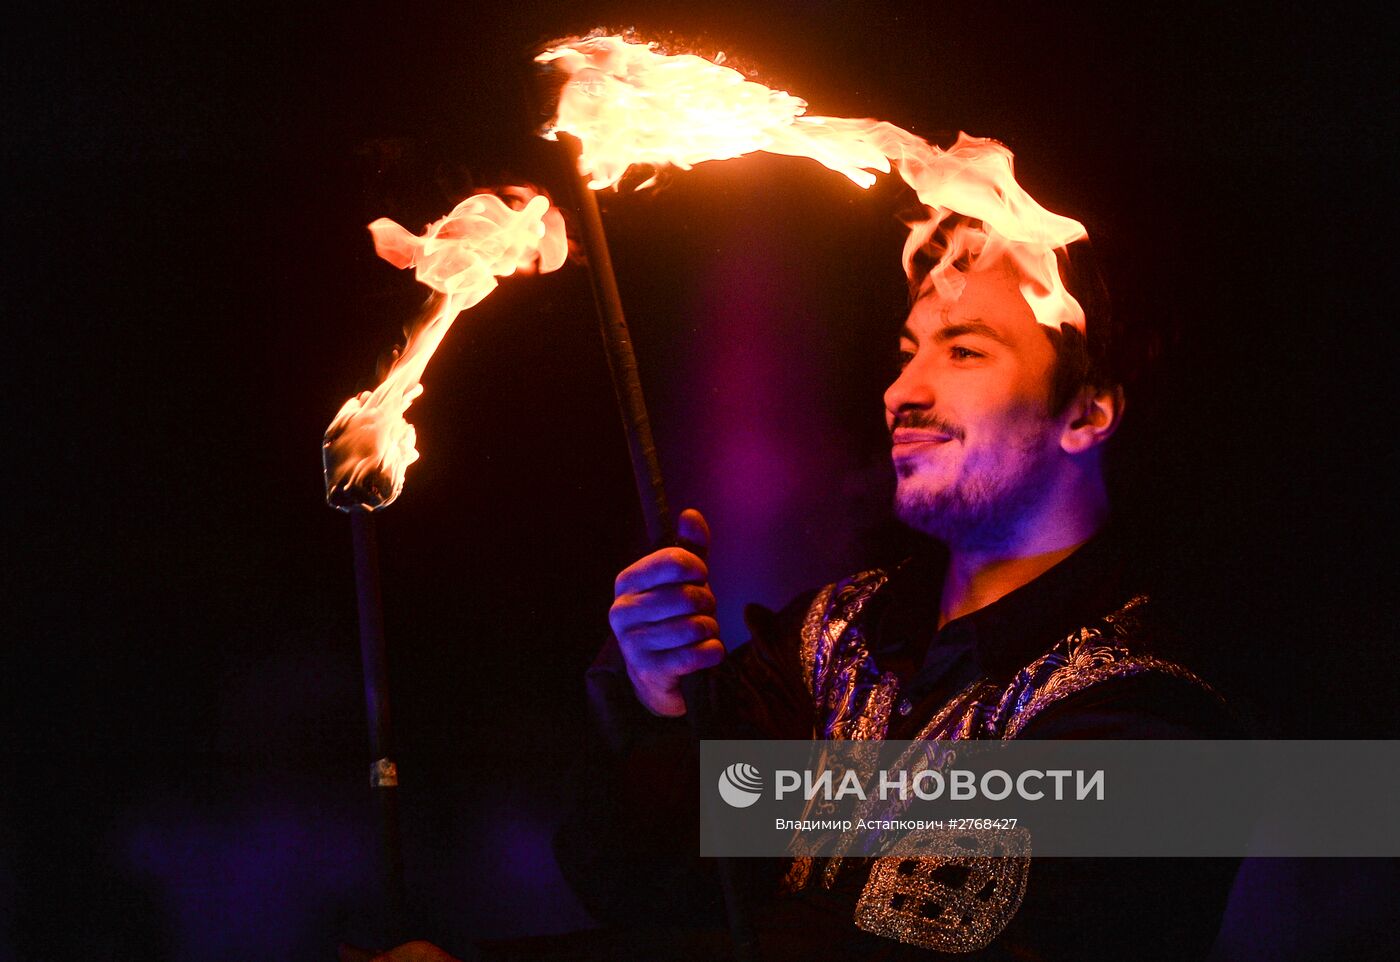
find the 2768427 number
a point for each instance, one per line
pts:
(960, 824)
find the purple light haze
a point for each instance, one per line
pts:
(242, 882)
(754, 446)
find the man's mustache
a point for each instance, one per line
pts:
(926, 421)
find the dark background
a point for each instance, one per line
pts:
(190, 294)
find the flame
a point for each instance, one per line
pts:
(368, 445)
(630, 105)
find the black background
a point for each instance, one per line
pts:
(190, 294)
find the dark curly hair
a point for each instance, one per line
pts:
(1090, 358)
(1099, 356)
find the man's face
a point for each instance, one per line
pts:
(974, 445)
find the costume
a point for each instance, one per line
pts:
(1072, 654)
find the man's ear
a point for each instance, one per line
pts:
(1091, 419)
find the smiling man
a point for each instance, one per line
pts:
(1025, 622)
(990, 458)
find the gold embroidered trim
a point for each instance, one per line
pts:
(873, 720)
(851, 702)
(955, 721)
(812, 634)
(1085, 677)
(1085, 658)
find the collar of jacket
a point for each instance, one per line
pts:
(1013, 630)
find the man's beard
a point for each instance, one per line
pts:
(980, 510)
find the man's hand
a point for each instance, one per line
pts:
(663, 617)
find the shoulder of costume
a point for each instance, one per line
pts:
(1116, 648)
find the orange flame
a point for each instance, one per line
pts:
(368, 445)
(630, 105)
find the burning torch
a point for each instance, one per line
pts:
(368, 445)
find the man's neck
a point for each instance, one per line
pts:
(977, 576)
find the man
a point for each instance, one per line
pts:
(1026, 624)
(986, 461)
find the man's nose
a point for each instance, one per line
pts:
(913, 388)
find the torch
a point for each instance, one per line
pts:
(369, 445)
(646, 471)
(646, 466)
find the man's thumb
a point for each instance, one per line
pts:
(692, 532)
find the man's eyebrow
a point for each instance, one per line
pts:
(971, 326)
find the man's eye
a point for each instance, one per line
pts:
(960, 353)
(903, 358)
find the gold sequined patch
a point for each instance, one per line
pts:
(948, 903)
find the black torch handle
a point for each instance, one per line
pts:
(622, 361)
(384, 775)
(646, 469)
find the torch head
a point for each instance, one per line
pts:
(364, 455)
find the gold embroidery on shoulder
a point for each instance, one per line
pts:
(1089, 656)
(1093, 674)
(850, 698)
